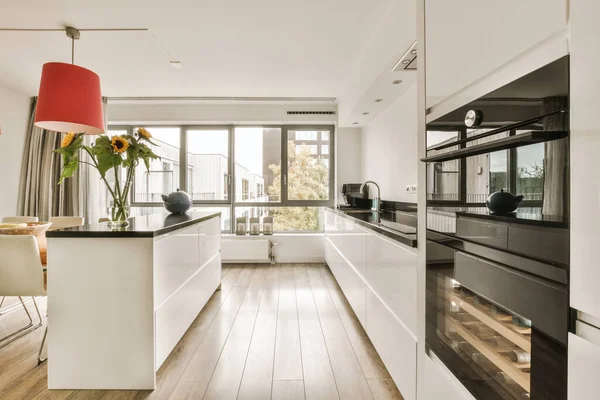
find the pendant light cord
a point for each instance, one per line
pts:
(73, 51)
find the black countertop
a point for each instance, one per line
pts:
(394, 224)
(528, 216)
(139, 227)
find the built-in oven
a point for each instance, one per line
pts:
(497, 303)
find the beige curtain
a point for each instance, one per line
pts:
(556, 160)
(39, 194)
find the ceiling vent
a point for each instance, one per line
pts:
(408, 60)
(311, 112)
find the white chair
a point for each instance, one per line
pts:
(66, 222)
(19, 220)
(15, 220)
(21, 274)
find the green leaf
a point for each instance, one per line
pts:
(69, 168)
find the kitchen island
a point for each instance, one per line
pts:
(119, 301)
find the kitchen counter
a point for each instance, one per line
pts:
(394, 224)
(139, 227)
(119, 301)
(524, 216)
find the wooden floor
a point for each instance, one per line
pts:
(280, 332)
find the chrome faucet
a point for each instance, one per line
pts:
(376, 200)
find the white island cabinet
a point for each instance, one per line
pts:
(119, 301)
(378, 275)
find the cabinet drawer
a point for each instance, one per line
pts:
(173, 317)
(484, 232)
(396, 346)
(209, 239)
(392, 274)
(349, 280)
(176, 258)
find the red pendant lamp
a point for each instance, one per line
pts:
(70, 98)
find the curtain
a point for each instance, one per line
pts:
(556, 159)
(39, 194)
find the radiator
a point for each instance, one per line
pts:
(247, 251)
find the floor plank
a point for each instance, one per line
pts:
(227, 376)
(349, 377)
(280, 332)
(319, 382)
(288, 390)
(288, 356)
(257, 379)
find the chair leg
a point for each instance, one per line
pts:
(2, 302)
(8, 339)
(40, 359)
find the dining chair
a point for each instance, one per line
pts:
(15, 220)
(21, 274)
(19, 220)
(66, 222)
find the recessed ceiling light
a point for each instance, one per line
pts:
(405, 61)
(413, 51)
(396, 82)
(366, 113)
(378, 100)
(355, 123)
(176, 64)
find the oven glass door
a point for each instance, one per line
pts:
(496, 352)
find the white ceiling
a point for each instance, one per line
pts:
(228, 48)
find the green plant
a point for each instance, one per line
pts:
(105, 154)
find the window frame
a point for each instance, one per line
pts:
(231, 202)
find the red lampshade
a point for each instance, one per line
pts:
(70, 100)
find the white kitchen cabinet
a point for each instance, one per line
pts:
(346, 256)
(468, 39)
(440, 384)
(392, 274)
(378, 277)
(585, 142)
(396, 346)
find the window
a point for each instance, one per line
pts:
(282, 171)
(258, 160)
(244, 187)
(163, 174)
(208, 161)
(530, 172)
(285, 219)
(308, 177)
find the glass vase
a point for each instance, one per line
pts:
(118, 216)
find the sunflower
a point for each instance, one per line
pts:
(143, 132)
(67, 140)
(119, 144)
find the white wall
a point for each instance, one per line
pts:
(348, 157)
(14, 116)
(389, 149)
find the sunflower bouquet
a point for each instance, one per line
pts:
(110, 153)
